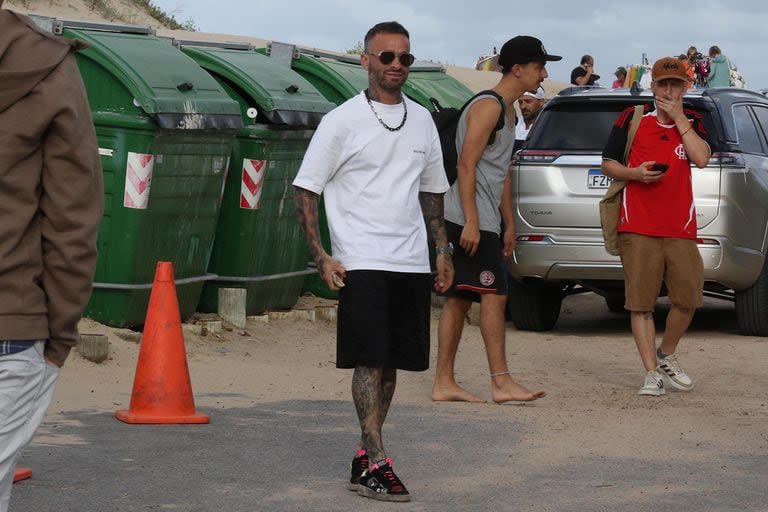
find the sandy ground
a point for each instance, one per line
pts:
(703, 450)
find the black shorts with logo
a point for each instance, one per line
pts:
(383, 320)
(485, 272)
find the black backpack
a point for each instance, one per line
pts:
(447, 121)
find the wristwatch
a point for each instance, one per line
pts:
(447, 249)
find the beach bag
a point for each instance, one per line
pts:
(447, 122)
(734, 77)
(610, 204)
(702, 68)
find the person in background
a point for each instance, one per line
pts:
(657, 223)
(530, 106)
(621, 77)
(584, 73)
(688, 70)
(52, 199)
(719, 71)
(376, 159)
(700, 66)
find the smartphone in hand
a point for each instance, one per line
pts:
(659, 167)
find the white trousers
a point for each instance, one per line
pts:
(26, 388)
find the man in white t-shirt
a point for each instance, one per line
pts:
(377, 161)
(530, 104)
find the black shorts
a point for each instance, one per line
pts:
(485, 272)
(383, 320)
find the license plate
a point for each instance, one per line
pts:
(596, 179)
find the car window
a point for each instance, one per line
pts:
(762, 117)
(746, 131)
(574, 126)
(586, 126)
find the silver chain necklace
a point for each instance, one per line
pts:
(385, 125)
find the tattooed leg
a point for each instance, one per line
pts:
(369, 397)
(388, 383)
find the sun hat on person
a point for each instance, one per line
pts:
(539, 94)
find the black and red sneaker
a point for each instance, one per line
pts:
(381, 483)
(359, 465)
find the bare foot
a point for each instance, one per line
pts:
(508, 390)
(453, 393)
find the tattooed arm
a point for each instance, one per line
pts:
(306, 209)
(432, 207)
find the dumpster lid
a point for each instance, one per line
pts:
(346, 78)
(282, 95)
(418, 65)
(426, 87)
(165, 83)
(229, 45)
(106, 27)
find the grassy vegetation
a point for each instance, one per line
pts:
(169, 20)
(357, 49)
(103, 7)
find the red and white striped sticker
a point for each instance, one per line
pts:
(253, 179)
(138, 178)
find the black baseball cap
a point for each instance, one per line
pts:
(522, 50)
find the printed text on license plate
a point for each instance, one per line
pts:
(596, 179)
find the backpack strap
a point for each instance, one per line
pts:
(637, 116)
(502, 116)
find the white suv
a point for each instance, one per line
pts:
(558, 184)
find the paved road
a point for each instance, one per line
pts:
(283, 456)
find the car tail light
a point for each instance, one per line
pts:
(726, 159)
(537, 156)
(707, 241)
(530, 238)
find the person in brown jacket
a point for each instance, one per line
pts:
(51, 201)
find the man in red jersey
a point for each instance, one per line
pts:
(657, 223)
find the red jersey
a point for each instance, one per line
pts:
(664, 208)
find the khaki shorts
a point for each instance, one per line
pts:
(648, 261)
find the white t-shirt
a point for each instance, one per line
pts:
(370, 178)
(521, 131)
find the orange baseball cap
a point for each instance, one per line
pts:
(669, 67)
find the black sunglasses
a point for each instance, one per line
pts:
(387, 57)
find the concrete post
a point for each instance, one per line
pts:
(232, 306)
(94, 347)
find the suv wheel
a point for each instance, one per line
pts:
(752, 306)
(533, 306)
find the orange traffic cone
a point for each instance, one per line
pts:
(162, 392)
(22, 474)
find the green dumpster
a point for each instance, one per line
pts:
(429, 83)
(165, 130)
(259, 243)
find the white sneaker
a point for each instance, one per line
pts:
(654, 384)
(670, 369)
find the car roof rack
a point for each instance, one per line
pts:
(573, 89)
